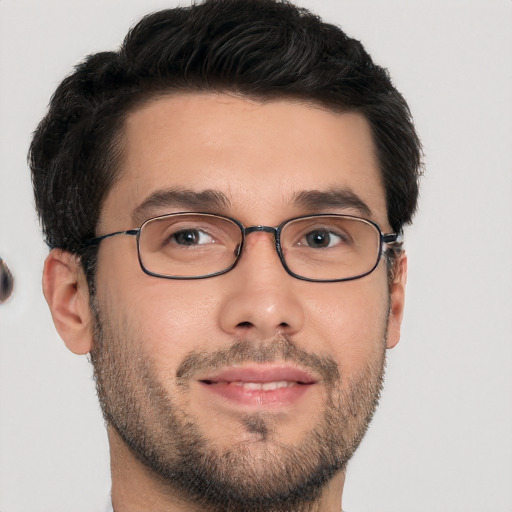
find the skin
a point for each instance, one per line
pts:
(260, 156)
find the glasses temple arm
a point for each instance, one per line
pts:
(96, 240)
(393, 238)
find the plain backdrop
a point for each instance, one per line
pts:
(442, 438)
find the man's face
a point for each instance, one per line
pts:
(253, 380)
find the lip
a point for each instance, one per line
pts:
(259, 385)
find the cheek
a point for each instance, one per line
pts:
(352, 318)
(177, 319)
(164, 318)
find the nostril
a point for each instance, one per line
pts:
(245, 325)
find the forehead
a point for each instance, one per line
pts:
(258, 157)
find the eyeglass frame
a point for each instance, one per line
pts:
(385, 239)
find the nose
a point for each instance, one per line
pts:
(261, 298)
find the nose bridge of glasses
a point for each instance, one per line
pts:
(266, 229)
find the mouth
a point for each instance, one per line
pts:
(257, 386)
(260, 385)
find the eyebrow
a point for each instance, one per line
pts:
(209, 200)
(343, 198)
(205, 200)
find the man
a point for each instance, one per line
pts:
(224, 198)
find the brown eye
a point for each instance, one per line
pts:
(322, 239)
(318, 239)
(190, 237)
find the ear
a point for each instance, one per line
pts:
(67, 293)
(397, 300)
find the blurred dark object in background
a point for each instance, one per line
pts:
(6, 282)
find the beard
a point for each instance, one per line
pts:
(260, 473)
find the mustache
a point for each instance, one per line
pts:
(281, 348)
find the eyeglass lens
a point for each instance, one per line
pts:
(330, 247)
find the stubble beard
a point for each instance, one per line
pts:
(261, 475)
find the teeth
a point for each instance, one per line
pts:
(263, 386)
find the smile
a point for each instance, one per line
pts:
(259, 385)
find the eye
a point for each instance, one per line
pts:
(191, 237)
(321, 239)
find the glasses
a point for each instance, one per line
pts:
(320, 248)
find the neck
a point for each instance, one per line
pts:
(135, 488)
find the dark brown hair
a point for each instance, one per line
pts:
(264, 49)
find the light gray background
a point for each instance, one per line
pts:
(442, 439)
